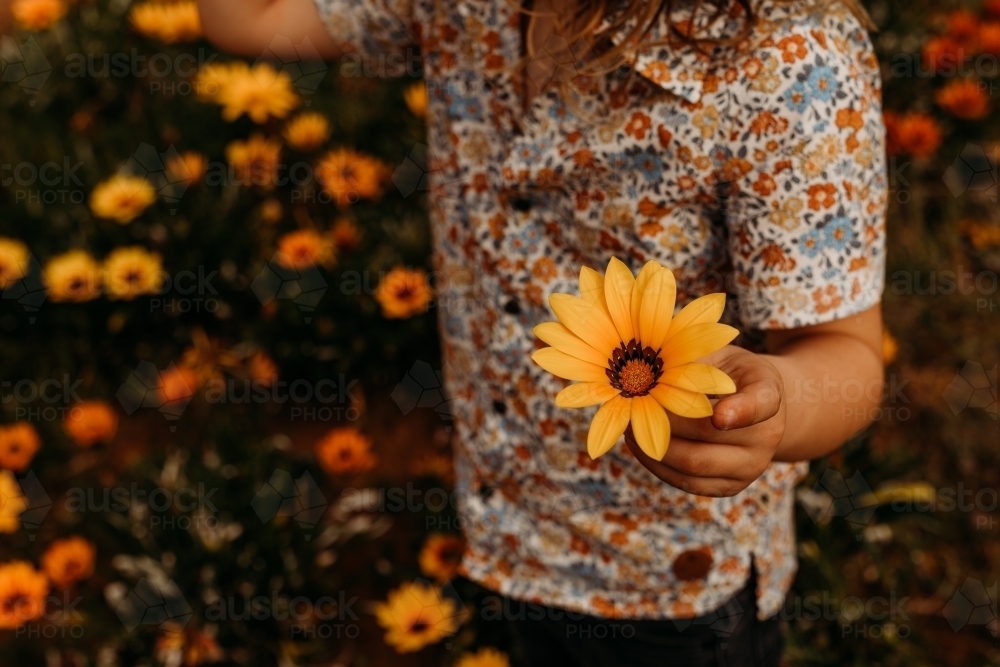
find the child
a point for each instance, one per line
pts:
(739, 143)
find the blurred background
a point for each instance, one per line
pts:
(222, 434)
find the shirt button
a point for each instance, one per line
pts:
(512, 307)
(521, 203)
(500, 407)
(693, 564)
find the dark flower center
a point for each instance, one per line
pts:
(633, 370)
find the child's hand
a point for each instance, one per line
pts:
(723, 454)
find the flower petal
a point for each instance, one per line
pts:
(589, 322)
(648, 270)
(564, 340)
(585, 394)
(592, 287)
(696, 342)
(608, 425)
(698, 377)
(650, 426)
(618, 283)
(681, 402)
(657, 308)
(563, 365)
(703, 310)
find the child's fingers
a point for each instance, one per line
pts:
(758, 399)
(699, 485)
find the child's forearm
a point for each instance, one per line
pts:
(833, 386)
(254, 27)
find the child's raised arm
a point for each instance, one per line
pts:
(249, 27)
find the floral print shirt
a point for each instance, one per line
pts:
(757, 170)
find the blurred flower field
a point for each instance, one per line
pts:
(222, 439)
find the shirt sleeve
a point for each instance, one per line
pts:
(804, 176)
(371, 27)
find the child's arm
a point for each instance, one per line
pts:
(249, 27)
(816, 387)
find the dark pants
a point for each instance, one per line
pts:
(728, 637)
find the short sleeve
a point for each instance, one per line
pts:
(371, 27)
(804, 175)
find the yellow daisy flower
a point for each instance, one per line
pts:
(440, 556)
(168, 22)
(131, 272)
(188, 167)
(23, 590)
(261, 92)
(73, 276)
(18, 444)
(416, 615)
(484, 657)
(344, 451)
(255, 161)
(304, 248)
(629, 355)
(348, 176)
(13, 261)
(307, 131)
(37, 15)
(68, 561)
(122, 198)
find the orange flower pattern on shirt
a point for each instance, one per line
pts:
(703, 164)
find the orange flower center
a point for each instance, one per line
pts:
(633, 370)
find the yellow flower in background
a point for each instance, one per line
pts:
(345, 451)
(629, 355)
(73, 276)
(188, 167)
(91, 422)
(211, 78)
(14, 257)
(255, 161)
(271, 211)
(168, 22)
(37, 15)
(18, 443)
(22, 594)
(890, 347)
(12, 502)
(307, 131)
(347, 175)
(417, 615)
(404, 293)
(346, 235)
(122, 198)
(261, 92)
(68, 561)
(131, 272)
(304, 248)
(441, 555)
(484, 657)
(261, 368)
(415, 97)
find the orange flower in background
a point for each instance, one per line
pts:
(304, 248)
(484, 657)
(261, 368)
(307, 131)
(404, 293)
(68, 561)
(989, 38)
(90, 422)
(629, 354)
(964, 98)
(255, 161)
(73, 276)
(916, 134)
(344, 451)
(131, 272)
(981, 234)
(943, 54)
(14, 258)
(890, 347)
(346, 235)
(261, 92)
(992, 7)
(168, 22)
(348, 176)
(122, 198)
(188, 167)
(415, 97)
(441, 555)
(417, 615)
(191, 647)
(962, 24)
(37, 15)
(178, 383)
(271, 211)
(12, 502)
(18, 443)
(22, 594)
